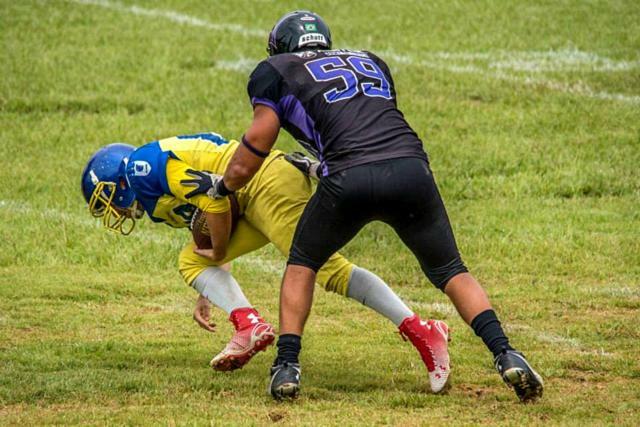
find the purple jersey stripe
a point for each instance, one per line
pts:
(295, 114)
(269, 103)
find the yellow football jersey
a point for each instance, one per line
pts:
(154, 172)
(271, 203)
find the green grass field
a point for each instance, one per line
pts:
(530, 112)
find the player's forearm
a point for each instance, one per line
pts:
(240, 171)
(220, 230)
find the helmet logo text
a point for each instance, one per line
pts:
(312, 38)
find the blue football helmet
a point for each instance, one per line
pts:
(106, 189)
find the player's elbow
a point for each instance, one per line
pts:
(242, 171)
(218, 254)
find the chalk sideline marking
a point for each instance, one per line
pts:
(272, 266)
(577, 88)
(439, 309)
(496, 62)
(551, 338)
(23, 208)
(178, 18)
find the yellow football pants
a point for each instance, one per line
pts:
(275, 199)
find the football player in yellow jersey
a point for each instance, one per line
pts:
(121, 183)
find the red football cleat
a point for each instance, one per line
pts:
(252, 335)
(430, 338)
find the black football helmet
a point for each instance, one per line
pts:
(297, 31)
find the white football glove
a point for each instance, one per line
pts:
(305, 164)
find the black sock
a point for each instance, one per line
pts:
(289, 346)
(487, 326)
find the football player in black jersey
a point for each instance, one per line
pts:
(341, 106)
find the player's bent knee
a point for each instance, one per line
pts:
(295, 258)
(190, 264)
(334, 277)
(335, 274)
(440, 276)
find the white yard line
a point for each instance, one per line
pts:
(447, 309)
(429, 309)
(496, 62)
(178, 18)
(619, 291)
(577, 88)
(243, 65)
(272, 266)
(23, 208)
(562, 60)
(551, 338)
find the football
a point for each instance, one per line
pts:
(200, 230)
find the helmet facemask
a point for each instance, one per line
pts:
(114, 218)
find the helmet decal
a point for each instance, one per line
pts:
(298, 30)
(94, 177)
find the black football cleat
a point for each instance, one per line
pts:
(519, 375)
(285, 381)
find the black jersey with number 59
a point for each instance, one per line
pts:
(339, 104)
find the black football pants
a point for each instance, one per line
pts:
(400, 192)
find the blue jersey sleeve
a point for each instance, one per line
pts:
(145, 173)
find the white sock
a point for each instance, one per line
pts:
(372, 291)
(221, 289)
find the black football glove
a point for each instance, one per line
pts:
(305, 164)
(205, 183)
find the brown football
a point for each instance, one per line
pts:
(200, 230)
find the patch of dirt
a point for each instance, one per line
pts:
(474, 391)
(276, 416)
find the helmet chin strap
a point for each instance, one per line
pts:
(137, 211)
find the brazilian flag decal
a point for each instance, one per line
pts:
(310, 27)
